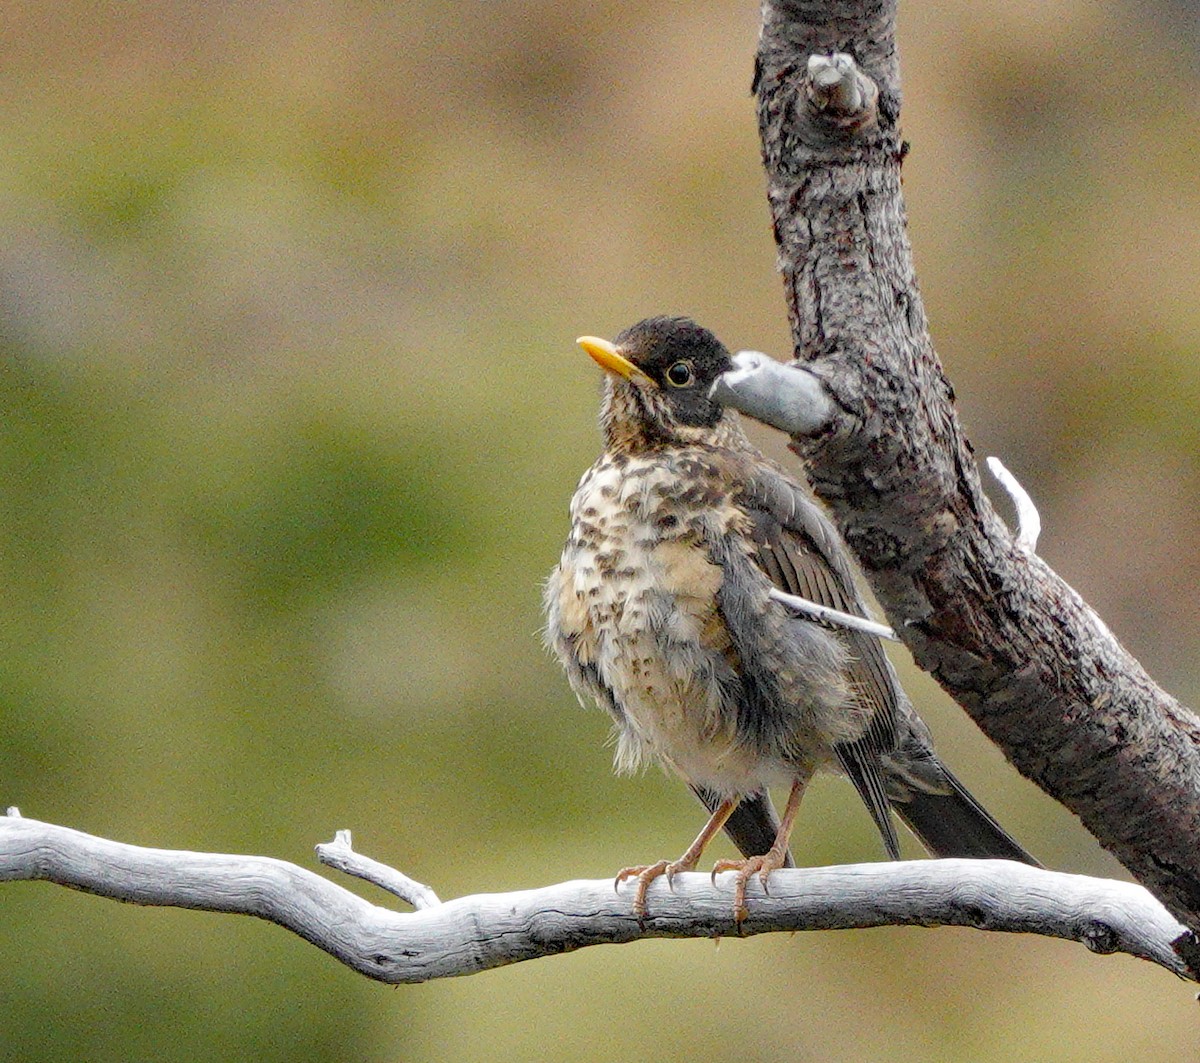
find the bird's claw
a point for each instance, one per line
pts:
(646, 874)
(754, 865)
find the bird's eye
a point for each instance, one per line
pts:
(680, 375)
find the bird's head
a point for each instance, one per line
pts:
(658, 373)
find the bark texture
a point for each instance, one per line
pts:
(1025, 656)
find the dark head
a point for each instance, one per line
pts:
(656, 394)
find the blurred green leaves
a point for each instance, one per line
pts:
(290, 414)
(326, 508)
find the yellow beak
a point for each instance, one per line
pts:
(611, 361)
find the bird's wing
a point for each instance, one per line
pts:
(798, 550)
(893, 762)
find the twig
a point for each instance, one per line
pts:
(833, 616)
(1029, 521)
(786, 397)
(340, 855)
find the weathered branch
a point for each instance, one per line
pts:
(489, 930)
(1029, 520)
(340, 855)
(786, 397)
(1003, 634)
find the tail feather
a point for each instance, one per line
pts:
(953, 823)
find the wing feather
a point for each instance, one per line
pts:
(797, 549)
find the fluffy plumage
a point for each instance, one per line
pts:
(659, 610)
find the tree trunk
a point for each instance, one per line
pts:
(1027, 658)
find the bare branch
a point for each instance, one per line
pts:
(786, 397)
(1015, 645)
(1029, 521)
(489, 930)
(340, 855)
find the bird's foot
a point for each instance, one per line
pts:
(754, 865)
(645, 874)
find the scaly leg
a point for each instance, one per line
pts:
(775, 857)
(647, 873)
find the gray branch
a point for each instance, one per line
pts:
(340, 855)
(786, 397)
(477, 933)
(1028, 659)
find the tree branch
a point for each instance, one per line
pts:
(1029, 520)
(1019, 649)
(339, 855)
(489, 930)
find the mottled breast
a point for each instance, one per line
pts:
(634, 613)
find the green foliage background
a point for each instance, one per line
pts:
(290, 412)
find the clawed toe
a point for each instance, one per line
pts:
(754, 865)
(645, 874)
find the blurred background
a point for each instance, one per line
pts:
(290, 414)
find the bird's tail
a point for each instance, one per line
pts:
(950, 822)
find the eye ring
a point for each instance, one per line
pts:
(681, 374)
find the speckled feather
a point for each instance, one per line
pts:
(660, 612)
(656, 579)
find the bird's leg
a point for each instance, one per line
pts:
(647, 873)
(774, 858)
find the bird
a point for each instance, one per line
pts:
(660, 611)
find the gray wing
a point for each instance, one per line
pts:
(893, 765)
(798, 550)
